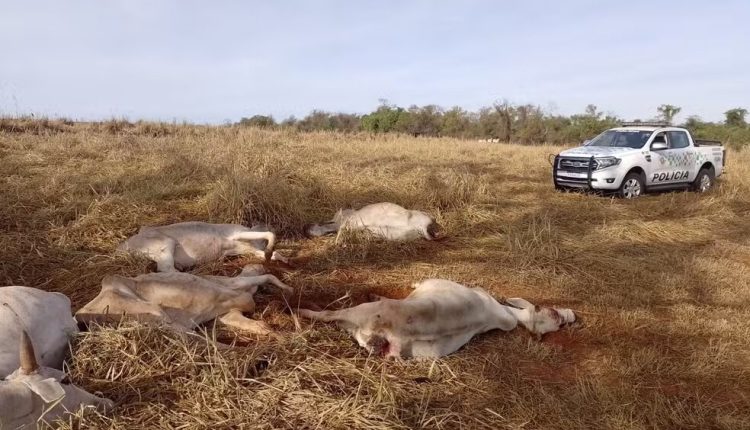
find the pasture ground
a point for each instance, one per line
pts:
(662, 284)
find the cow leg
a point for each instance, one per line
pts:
(276, 256)
(234, 318)
(270, 279)
(440, 346)
(248, 283)
(321, 315)
(261, 254)
(268, 236)
(253, 270)
(356, 315)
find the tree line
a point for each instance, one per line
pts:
(502, 122)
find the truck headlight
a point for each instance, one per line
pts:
(604, 162)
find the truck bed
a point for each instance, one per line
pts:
(705, 142)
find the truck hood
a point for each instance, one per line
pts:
(598, 151)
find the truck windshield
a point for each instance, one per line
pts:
(621, 138)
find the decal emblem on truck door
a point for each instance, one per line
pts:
(682, 159)
(670, 176)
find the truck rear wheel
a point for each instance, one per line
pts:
(632, 186)
(704, 181)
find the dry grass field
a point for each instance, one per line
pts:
(662, 283)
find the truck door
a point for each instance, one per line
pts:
(680, 143)
(674, 164)
(655, 167)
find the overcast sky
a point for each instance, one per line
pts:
(213, 61)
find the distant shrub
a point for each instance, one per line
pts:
(384, 119)
(117, 126)
(326, 121)
(260, 121)
(31, 125)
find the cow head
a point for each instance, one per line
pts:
(34, 392)
(435, 231)
(540, 320)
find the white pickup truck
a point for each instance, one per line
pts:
(640, 157)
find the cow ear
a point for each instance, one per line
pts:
(48, 389)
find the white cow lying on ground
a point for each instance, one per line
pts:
(387, 220)
(437, 318)
(182, 300)
(45, 316)
(185, 244)
(34, 394)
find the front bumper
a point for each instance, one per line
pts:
(586, 177)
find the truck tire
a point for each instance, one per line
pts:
(704, 181)
(632, 186)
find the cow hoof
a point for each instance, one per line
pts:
(277, 256)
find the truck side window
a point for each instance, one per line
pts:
(659, 138)
(678, 139)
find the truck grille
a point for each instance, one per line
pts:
(573, 171)
(570, 164)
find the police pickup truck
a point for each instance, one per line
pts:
(640, 157)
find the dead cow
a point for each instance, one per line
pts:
(437, 318)
(34, 394)
(44, 315)
(182, 300)
(386, 220)
(182, 245)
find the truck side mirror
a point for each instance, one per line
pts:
(658, 146)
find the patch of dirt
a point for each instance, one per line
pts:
(562, 373)
(565, 340)
(576, 349)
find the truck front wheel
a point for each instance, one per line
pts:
(704, 181)
(632, 186)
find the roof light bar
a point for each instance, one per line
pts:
(645, 124)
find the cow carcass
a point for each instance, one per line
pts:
(181, 300)
(183, 245)
(437, 318)
(385, 220)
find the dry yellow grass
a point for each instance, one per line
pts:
(662, 283)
